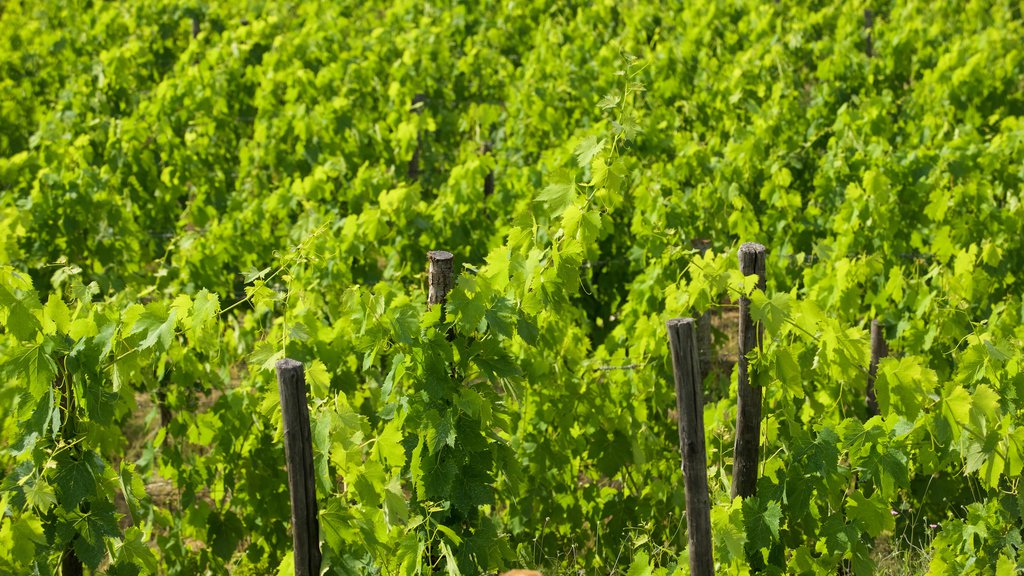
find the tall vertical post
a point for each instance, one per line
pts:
(70, 565)
(747, 452)
(682, 337)
(298, 453)
(869, 24)
(879, 350)
(440, 274)
(489, 178)
(414, 163)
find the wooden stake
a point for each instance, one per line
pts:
(298, 452)
(747, 452)
(879, 350)
(441, 270)
(682, 337)
(70, 565)
(414, 163)
(489, 178)
(869, 24)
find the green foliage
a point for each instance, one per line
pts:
(184, 209)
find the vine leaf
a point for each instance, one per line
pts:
(872, 513)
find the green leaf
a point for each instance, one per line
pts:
(336, 525)
(266, 354)
(21, 322)
(40, 495)
(1013, 445)
(205, 307)
(224, 532)
(252, 274)
(318, 378)
(440, 431)
(287, 565)
(641, 565)
(76, 478)
(24, 536)
(789, 374)
(728, 531)
(559, 193)
(93, 528)
(389, 446)
(773, 312)
(611, 100)
(135, 549)
(958, 406)
(393, 377)
(894, 473)
(771, 517)
(587, 149)
(133, 490)
(902, 385)
(992, 469)
(450, 534)
(837, 534)
(985, 402)
(1005, 566)
(873, 514)
(468, 304)
(44, 421)
(761, 519)
(396, 509)
(36, 365)
(56, 316)
(451, 566)
(156, 325)
(527, 329)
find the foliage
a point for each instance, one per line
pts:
(193, 190)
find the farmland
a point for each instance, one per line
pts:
(192, 192)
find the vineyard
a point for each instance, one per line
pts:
(208, 203)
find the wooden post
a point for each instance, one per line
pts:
(414, 163)
(489, 178)
(298, 452)
(869, 24)
(682, 337)
(161, 396)
(879, 350)
(70, 565)
(747, 452)
(441, 270)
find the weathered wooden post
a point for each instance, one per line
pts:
(298, 453)
(747, 452)
(70, 565)
(682, 337)
(418, 102)
(441, 270)
(869, 24)
(489, 178)
(879, 350)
